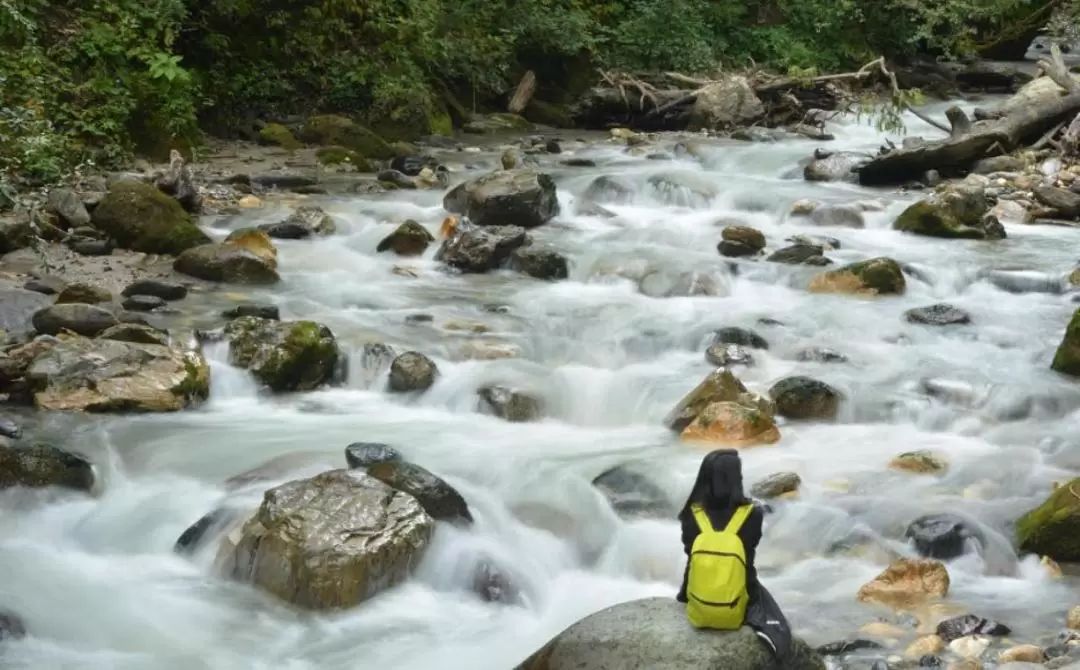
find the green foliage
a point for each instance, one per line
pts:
(102, 79)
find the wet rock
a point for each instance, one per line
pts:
(741, 336)
(608, 190)
(820, 355)
(919, 462)
(725, 355)
(11, 627)
(956, 213)
(942, 536)
(958, 627)
(229, 261)
(305, 222)
(207, 526)
(284, 355)
(104, 375)
(395, 179)
(41, 466)
(332, 541)
(375, 360)
(1053, 528)
(1067, 357)
(142, 303)
(46, 285)
(412, 165)
(732, 424)
(1023, 654)
(652, 633)
(508, 404)
(363, 454)
(67, 205)
(805, 398)
(800, 254)
(492, 585)
(255, 309)
(88, 320)
(632, 494)
(524, 198)
(10, 429)
(838, 166)
(331, 130)
(17, 309)
(140, 217)
(719, 386)
(837, 215)
(156, 287)
(906, 583)
(539, 262)
(479, 250)
(877, 276)
(136, 333)
(926, 646)
(738, 241)
(440, 500)
(87, 294)
(776, 485)
(941, 314)
(412, 371)
(409, 239)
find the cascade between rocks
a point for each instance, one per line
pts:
(601, 358)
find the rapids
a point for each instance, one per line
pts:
(98, 583)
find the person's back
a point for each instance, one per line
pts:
(723, 564)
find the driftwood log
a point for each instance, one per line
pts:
(1025, 126)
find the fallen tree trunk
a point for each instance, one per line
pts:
(1021, 126)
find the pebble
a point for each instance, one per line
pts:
(924, 646)
(1024, 653)
(970, 646)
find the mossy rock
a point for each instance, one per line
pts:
(275, 134)
(140, 217)
(877, 276)
(408, 124)
(549, 114)
(1067, 357)
(1053, 528)
(341, 155)
(286, 356)
(341, 131)
(957, 214)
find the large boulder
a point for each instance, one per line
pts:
(907, 583)
(732, 424)
(17, 309)
(331, 541)
(877, 276)
(958, 212)
(731, 102)
(524, 198)
(138, 216)
(1053, 528)
(341, 131)
(1067, 357)
(479, 250)
(105, 375)
(652, 633)
(284, 355)
(412, 371)
(41, 465)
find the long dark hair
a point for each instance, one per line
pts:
(719, 483)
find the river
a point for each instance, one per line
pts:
(98, 583)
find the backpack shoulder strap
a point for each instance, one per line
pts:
(704, 525)
(738, 519)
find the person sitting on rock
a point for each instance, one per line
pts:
(721, 528)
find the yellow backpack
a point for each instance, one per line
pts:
(716, 595)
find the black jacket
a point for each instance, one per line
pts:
(750, 534)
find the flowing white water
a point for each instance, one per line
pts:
(100, 588)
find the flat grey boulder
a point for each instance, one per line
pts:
(653, 634)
